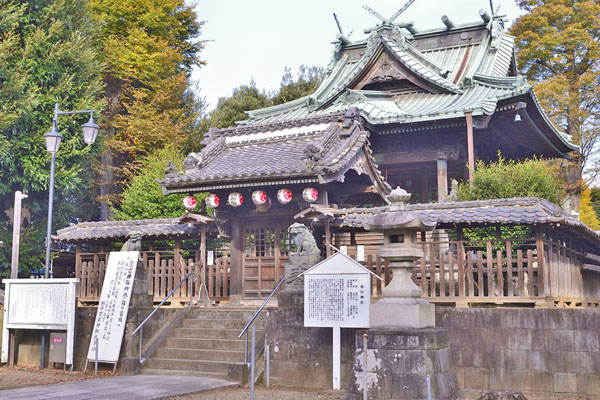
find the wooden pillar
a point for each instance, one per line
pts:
(328, 249)
(470, 147)
(237, 262)
(539, 244)
(442, 180)
(423, 184)
(203, 255)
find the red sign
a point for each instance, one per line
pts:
(57, 340)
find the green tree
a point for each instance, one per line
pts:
(149, 48)
(142, 197)
(307, 81)
(46, 56)
(558, 45)
(231, 109)
(506, 179)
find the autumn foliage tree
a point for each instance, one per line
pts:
(558, 45)
(149, 48)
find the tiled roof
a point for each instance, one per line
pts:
(307, 150)
(450, 68)
(164, 227)
(514, 211)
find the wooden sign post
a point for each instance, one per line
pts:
(337, 294)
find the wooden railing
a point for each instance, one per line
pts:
(494, 271)
(165, 269)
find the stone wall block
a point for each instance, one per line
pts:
(576, 361)
(514, 359)
(593, 366)
(498, 338)
(586, 340)
(565, 382)
(562, 340)
(588, 385)
(535, 360)
(553, 361)
(540, 339)
(475, 378)
(408, 386)
(519, 339)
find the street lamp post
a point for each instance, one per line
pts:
(53, 139)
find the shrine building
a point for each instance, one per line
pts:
(404, 108)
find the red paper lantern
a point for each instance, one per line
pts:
(189, 202)
(259, 197)
(213, 200)
(310, 194)
(235, 199)
(284, 196)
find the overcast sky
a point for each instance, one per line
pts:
(257, 39)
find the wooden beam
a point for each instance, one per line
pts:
(591, 267)
(442, 180)
(328, 250)
(417, 154)
(237, 261)
(470, 147)
(592, 257)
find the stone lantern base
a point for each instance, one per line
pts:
(398, 362)
(407, 313)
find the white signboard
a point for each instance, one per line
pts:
(210, 257)
(114, 303)
(360, 253)
(337, 294)
(40, 304)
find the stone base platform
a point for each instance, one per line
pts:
(398, 362)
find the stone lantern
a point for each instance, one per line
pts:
(404, 348)
(401, 305)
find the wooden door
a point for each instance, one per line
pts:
(266, 252)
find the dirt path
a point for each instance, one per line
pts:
(263, 393)
(18, 377)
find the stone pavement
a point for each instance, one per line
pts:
(118, 387)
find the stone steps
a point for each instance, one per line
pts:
(206, 343)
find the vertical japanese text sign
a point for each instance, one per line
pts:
(111, 316)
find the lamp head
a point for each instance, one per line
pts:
(90, 130)
(53, 139)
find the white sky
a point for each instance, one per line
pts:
(257, 39)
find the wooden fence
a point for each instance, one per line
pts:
(165, 270)
(543, 272)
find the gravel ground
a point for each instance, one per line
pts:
(18, 377)
(263, 393)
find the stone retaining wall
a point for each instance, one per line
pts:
(555, 351)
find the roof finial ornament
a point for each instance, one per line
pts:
(341, 36)
(389, 21)
(492, 7)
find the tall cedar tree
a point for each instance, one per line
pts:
(149, 48)
(559, 50)
(46, 56)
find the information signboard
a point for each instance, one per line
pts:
(337, 294)
(111, 316)
(40, 304)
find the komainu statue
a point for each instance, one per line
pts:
(304, 242)
(134, 243)
(306, 255)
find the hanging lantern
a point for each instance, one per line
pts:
(235, 199)
(213, 200)
(310, 194)
(189, 202)
(259, 197)
(284, 196)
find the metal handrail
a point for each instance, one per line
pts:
(140, 326)
(245, 330)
